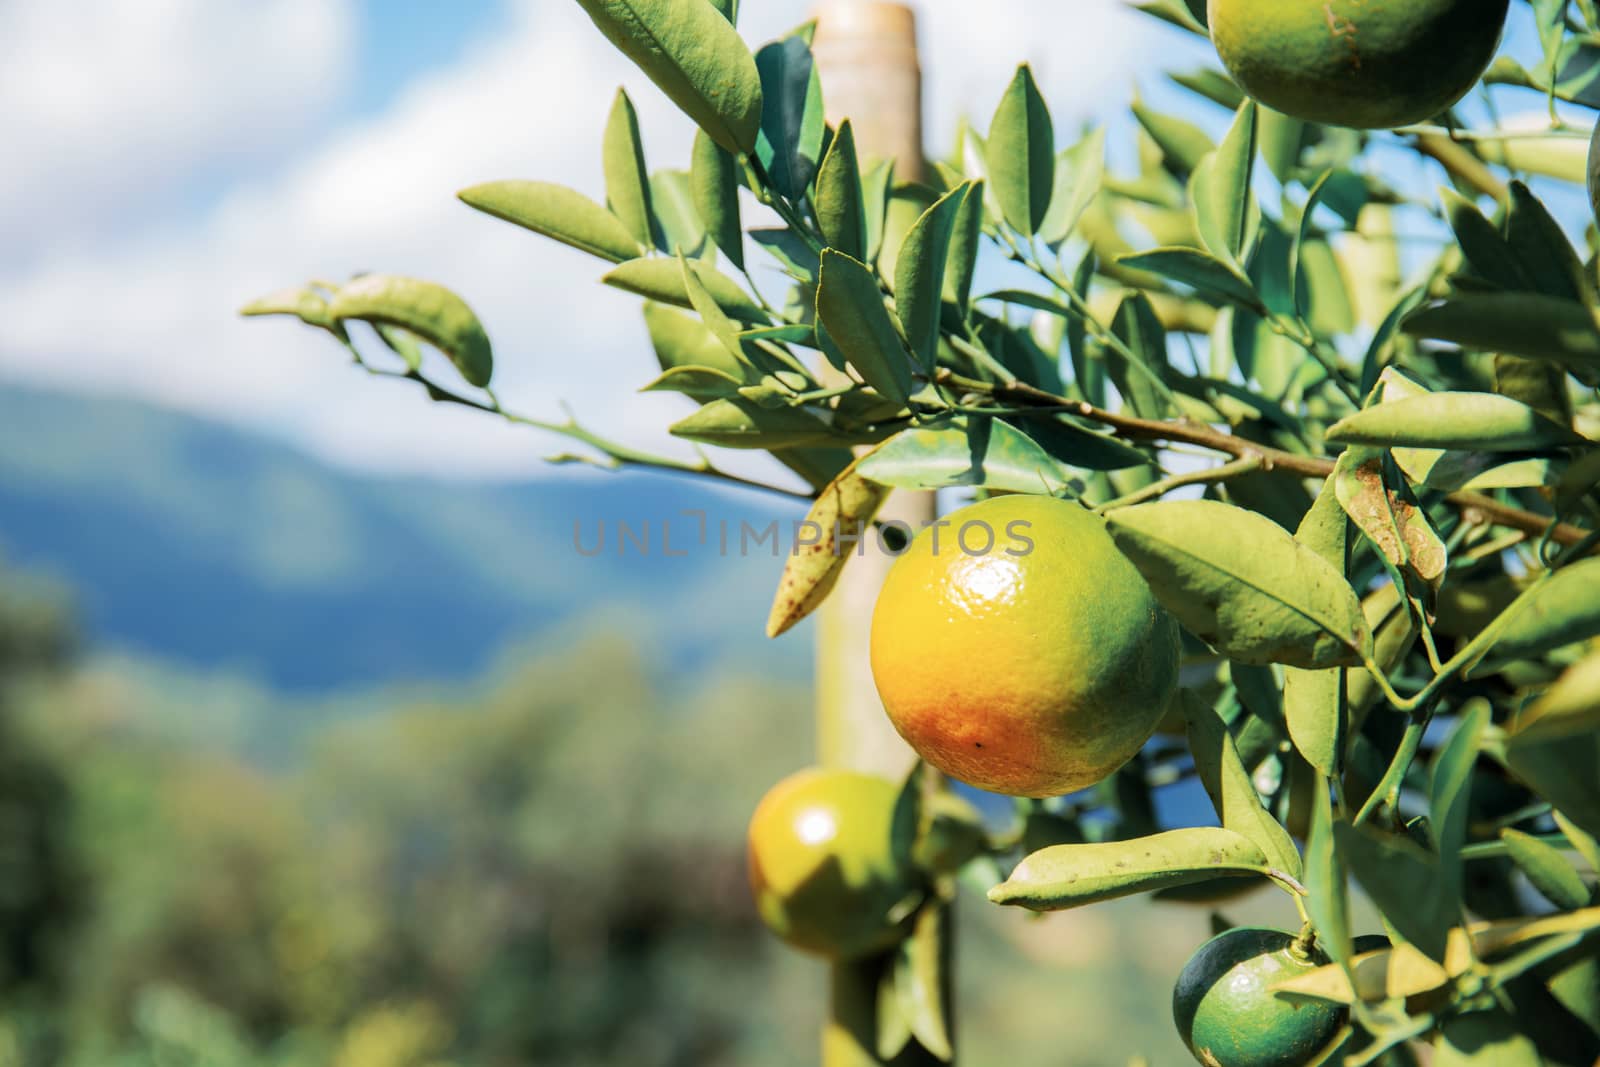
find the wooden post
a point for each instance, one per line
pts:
(866, 56)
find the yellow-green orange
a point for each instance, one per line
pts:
(822, 870)
(1016, 649)
(1373, 64)
(1228, 1013)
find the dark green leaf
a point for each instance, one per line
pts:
(694, 55)
(1518, 324)
(1565, 771)
(714, 188)
(1403, 881)
(851, 309)
(1021, 154)
(557, 212)
(790, 145)
(1199, 270)
(1141, 380)
(841, 209)
(1243, 584)
(431, 312)
(1547, 869)
(1068, 876)
(1486, 252)
(1327, 898)
(966, 237)
(919, 274)
(1450, 796)
(1541, 247)
(876, 184)
(1182, 142)
(678, 223)
(1077, 446)
(1216, 760)
(799, 259)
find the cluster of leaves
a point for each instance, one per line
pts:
(1390, 578)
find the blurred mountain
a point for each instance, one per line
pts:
(208, 547)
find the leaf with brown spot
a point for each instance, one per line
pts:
(1398, 528)
(848, 503)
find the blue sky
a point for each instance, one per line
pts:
(186, 156)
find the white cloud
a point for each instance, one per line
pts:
(151, 311)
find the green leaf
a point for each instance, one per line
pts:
(302, 302)
(1078, 446)
(1568, 708)
(919, 274)
(695, 56)
(1182, 142)
(714, 190)
(1069, 876)
(1198, 270)
(1397, 527)
(850, 308)
(963, 452)
(627, 180)
(799, 259)
(1518, 324)
(841, 209)
(790, 145)
(425, 309)
(1327, 899)
(919, 964)
(1541, 246)
(556, 212)
(1080, 170)
(701, 383)
(401, 343)
(1565, 771)
(1224, 209)
(1484, 1039)
(1450, 795)
(876, 184)
(1547, 869)
(847, 505)
(1486, 252)
(1403, 881)
(678, 224)
(1021, 154)
(1556, 612)
(1314, 701)
(683, 340)
(893, 1028)
(1484, 422)
(1241, 583)
(735, 422)
(1222, 772)
(966, 238)
(661, 279)
(1141, 380)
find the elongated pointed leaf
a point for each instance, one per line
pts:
(1486, 252)
(1541, 246)
(695, 56)
(1404, 882)
(1565, 771)
(1021, 154)
(966, 237)
(302, 302)
(714, 188)
(1569, 708)
(1182, 143)
(1314, 705)
(1548, 870)
(1199, 270)
(1450, 795)
(877, 184)
(1557, 612)
(919, 275)
(1327, 898)
(700, 383)
(1080, 171)
(851, 309)
(428, 310)
(1222, 772)
(1142, 379)
(556, 212)
(679, 230)
(964, 452)
(844, 509)
(734, 422)
(1518, 324)
(627, 179)
(790, 145)
(1485, 422)
(661, 279)
(1224, 208)
(841, 208)
(1069, 876)
(919, 965)
(1242, 583)
(681, 339)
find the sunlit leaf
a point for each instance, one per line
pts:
(964, 452)
(423, 308)
(556, 212)
(1021, 154)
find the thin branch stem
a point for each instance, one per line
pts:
(1233, 469)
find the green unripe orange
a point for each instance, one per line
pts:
(1016, 649)
(824, 876)
(1228, 1014)
(1372, 64)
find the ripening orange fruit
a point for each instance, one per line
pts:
(1016, 649)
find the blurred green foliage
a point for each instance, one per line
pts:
(547, 869)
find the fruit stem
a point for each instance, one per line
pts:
(1303, 947)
